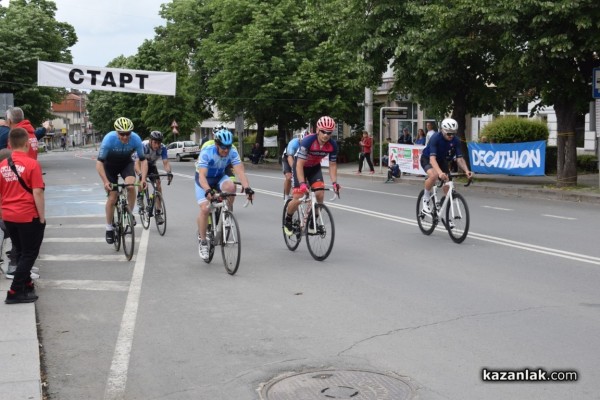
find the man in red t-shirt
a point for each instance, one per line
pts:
(16, 119)
(366, 144)
(23, 211)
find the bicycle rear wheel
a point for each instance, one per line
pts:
(457, 218)
(292, 242)
(231, 247)
(144, 211)
(320, 238)
(426, 221)
(128, 235)
(162, 228)
(117, 228)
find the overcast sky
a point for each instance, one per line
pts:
(109, 28)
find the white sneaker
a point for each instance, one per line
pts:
(203, 250)
(35, 269)
(33, 275)
(425, 206)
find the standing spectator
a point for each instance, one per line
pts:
(393, 172)
(4, 129)
(365, 153)
(63, 143)
(23, 211)
(16, 119)
(405, 138)
(430, 132)
(256, 153)
(421, 137)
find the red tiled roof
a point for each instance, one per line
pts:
(70, 104)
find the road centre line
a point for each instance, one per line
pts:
(559, 217)
(497, 208)
(492, 239)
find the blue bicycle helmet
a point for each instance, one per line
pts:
(224, 137)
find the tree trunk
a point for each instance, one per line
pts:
(281, 138)
(260, 133)
(566, 165)
(459, 113)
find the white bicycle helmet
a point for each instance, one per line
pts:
(449, 125)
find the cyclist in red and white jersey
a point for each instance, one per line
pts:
(307, 166)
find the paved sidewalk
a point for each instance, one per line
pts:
(19, 349)
(19, 346)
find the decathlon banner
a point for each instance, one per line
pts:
(527, 158)
(407, 156)
(109, 79)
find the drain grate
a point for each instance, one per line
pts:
(337, 384)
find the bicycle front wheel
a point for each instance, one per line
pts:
(117, 228)
(161, 225)
(426, 221)
(128, 235)
(144, 210)
(231, 247)
(457, 218)
(320, 234)
(293, 241)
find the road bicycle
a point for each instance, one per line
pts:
(149, 199)
(223, 230)
(123, 221)
(451, 209)
(313, 220)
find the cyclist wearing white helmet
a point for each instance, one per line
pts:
(306, 169)
(443, 147)
(154, 150)
(114, 159)
(211, 177)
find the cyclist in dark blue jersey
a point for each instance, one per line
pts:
(441, 147)
(114, 159)
(307, 166)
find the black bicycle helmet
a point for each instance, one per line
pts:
(156, 135)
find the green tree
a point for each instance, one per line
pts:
(29, 32)
(554, 47)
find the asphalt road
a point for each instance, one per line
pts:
(520, 292)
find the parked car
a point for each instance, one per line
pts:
(181, 150)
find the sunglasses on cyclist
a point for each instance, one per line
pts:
(124, 133)
(327, 132)
(223, 147)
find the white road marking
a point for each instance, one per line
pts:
(82, 257)
(72, 284)
(559, 217)
(117, 376)
(498, 208)
(75, 240)
(75, 226)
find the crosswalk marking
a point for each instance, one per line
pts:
(75, 240)
(76, 226)
(83, 257)
(72, 284)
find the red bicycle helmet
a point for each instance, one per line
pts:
(326, 123)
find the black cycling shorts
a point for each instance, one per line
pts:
(113, 171)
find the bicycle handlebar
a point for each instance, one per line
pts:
(150, 176)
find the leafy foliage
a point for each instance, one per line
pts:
(29, 32)
(513, 129)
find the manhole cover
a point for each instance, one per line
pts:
(334, 384)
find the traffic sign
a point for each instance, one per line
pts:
(596, 83)
(174, 124)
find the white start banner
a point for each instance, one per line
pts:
(109, 79)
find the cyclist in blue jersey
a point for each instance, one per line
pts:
(211, 177)
(441, 147)
(154, 150)
(114, 159)
(307, 166)
(287, 160)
